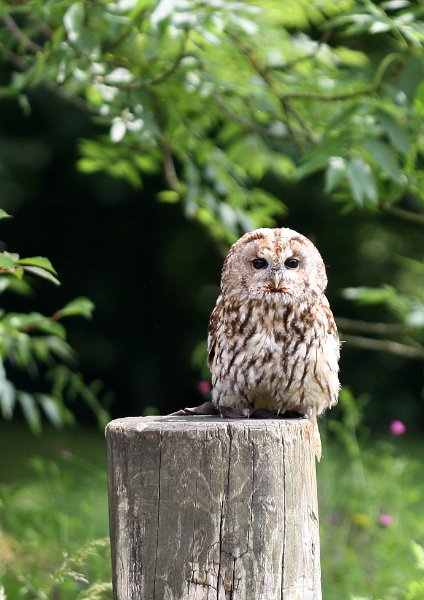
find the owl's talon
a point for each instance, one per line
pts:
(257, 413)
(207, 408)
(231, 413)
(262, 413)
(292, 414)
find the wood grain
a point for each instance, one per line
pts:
(205, 508)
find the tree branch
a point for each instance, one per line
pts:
(275, 88)
(401, 213)
(245, 123)
(330, 97)
(172, 68)
(170, 171)
(169, 165)
(384, 346)
(373, 328)
(160, 77)
(20, 36)
(17, 61)
(139, 15)
(289, 65)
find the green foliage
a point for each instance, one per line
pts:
(36, 344)
(222, 95)
(415, 589)
(370, 494)
(53, 530)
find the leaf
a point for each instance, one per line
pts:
(61, 349)
(283, 166)
(168, 196)
(146, 163)
(52, 328)
(43, 274)
(8, 261)
(89, 165)
(52, 409)
(4, 214)
(384, 157)
(23, 321)
(395, 4)
(39, 261)
(74, 21)
(419, 100)
(418, 551)
(127, 170)
(335, 173)
(318, 158)
(80, 307)
(31, 411)
(399, 135)
(369, 295)
(7, 398)
(362, 182)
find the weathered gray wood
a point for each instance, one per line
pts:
(206, 508)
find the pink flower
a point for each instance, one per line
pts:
(385, 520)
(397, 427)
(204, 387)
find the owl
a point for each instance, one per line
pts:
(272, 340)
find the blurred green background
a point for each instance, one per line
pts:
(138, 140)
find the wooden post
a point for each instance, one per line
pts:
(206, 508)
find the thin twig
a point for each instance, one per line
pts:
(23, 65)
(310, 134)
(245, 123)
(173, 67)
(20, 36)
(384, 346)
(401, 213)
(289, 65)
(141, 11)
(169, 165)
(373, 328)
(168, 161)
(329, 97)
(43, 26)
(18, 62)
(275, 88)
(160, 77)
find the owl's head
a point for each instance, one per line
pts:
(274, 263)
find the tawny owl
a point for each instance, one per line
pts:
(272, 339)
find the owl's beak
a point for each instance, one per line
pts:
(276, 278)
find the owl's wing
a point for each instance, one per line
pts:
(329, 359)
(215, 320)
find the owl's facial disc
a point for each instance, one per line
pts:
(277, 264)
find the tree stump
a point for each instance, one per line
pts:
(206, 508)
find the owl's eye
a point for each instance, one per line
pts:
(291, 263)
(259, 263)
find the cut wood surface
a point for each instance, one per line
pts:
(206, 508)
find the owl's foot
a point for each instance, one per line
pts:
(207, 408)
(256, 413)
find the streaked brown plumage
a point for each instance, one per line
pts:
(272, 337)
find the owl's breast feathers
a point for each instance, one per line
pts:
(267, 348)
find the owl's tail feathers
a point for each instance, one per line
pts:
(317, 438)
